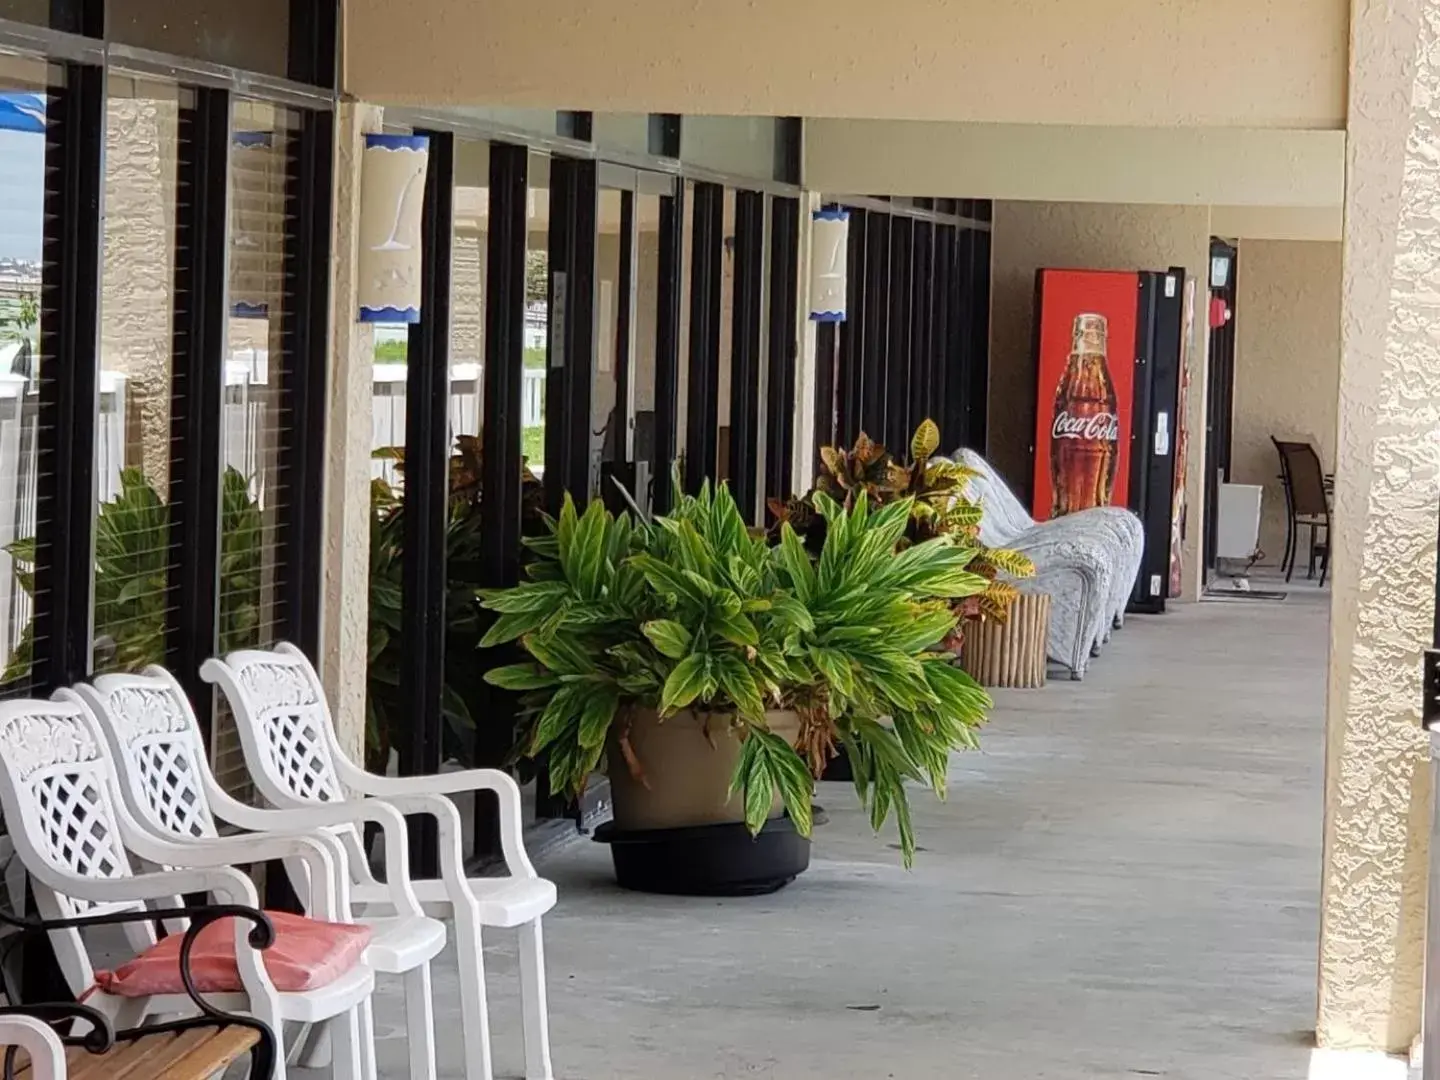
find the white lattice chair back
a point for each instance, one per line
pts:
(59, 794)
(283, 721)
(155, 738)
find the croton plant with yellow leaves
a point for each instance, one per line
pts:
(939, 506)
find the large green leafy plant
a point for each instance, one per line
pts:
(692, 611)
(132, 555)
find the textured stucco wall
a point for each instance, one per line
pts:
(1138, 62)
(1287, 366)
(344, 642)
(1386, 492)
(138, 268)
(1094, 236)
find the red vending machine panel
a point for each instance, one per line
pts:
(1087, 333)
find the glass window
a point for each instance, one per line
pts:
(607, 414)
(25, 85)
(687, 255)
(137, 315)
(739, 145)
(36, 12)
(537, 313)
(468, 253)
(254, 489)
(538, 121)
(727, 337)
(762, 359)
(622, 131)
(254, 35)
(647, 312)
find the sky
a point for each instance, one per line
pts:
(22, 194)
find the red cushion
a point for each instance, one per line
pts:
(307, 954)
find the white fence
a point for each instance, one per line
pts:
(387, 423)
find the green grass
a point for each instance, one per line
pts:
(390, 352)
(532, 444)
(393, 352)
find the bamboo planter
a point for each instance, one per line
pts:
(1012, 653)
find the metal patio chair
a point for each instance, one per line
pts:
(159, 754)
(71, 829)
(1307, 504)
(296, 761)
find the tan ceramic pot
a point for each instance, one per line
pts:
(687, 761)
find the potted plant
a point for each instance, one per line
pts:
(712, 674)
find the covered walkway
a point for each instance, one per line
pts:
(1123, 883)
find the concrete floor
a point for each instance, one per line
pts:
(1123, 883)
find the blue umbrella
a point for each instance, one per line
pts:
(22, 112)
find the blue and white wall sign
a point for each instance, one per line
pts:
(392, 192)
(829, 239)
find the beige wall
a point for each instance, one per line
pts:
(1098, 236)
(1078, 163)
(1287, 365)
(1278, 222)
(1137, 62)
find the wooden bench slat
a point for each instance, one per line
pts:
(195, 1054)
(214, 1054)
(129, 1058)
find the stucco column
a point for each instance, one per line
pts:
(345, 614)
(1377, 788)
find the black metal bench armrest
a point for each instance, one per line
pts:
(262, 936)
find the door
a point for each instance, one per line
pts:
(1219, 387)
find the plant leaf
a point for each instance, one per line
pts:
(668, 636)
(684, 684)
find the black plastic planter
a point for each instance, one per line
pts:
(707, 860)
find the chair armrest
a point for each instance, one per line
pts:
(394, 789)
(447, 819)
(328, 815)
(46, 1050)
(451, 783)
(102, 1036)
(228, 851)
(226, 882)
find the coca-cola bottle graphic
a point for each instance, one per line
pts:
(1085, 433)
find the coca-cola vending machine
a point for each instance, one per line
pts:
(1109, 355)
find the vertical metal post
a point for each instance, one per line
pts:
(784, 296)
(746, 317)
(427, 500)
(669, 296)
(702, 418)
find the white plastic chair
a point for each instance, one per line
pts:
(296, 761)
(71, 829)
(159, 754)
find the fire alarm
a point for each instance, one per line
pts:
(1219, 312)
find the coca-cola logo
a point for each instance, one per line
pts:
(1097, 426)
